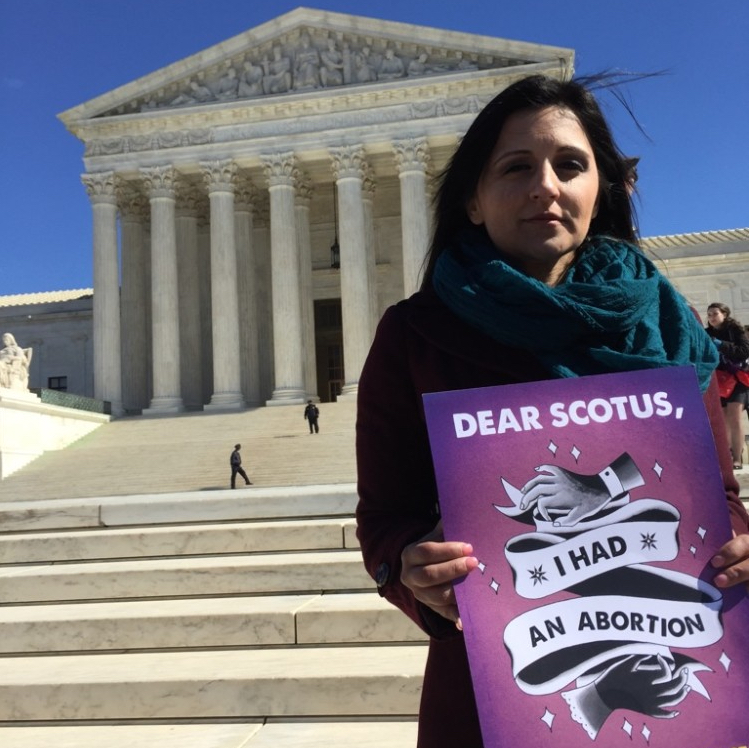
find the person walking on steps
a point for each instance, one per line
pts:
(236, 467)
(312, 413)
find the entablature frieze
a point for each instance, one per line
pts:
(295, 115)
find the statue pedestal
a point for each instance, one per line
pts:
(29, 428)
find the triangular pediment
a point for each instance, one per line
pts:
(309, 50)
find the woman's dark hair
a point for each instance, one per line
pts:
(724, 309)
(459, 180)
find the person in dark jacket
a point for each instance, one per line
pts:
(312, 413)
(236, 467)
(732, 342)
(533, 272)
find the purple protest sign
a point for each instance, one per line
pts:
(594, 506)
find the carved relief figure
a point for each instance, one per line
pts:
(197, 94)
(392, 66)
(366, 66)
(14, 364)
(251, 80)
(228, 85)
(332, 72)
(307, 66)
(462, 63)
(418, 66)
(200, 93)
(277, 78)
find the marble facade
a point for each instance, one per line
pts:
(218, 184)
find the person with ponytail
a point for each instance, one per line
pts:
(732, 342)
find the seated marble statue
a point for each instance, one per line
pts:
(307, 66)
(277, 78)
(418, 66)
(196, 95)
(228, 86)
(14, 364)
(251, 80)
(366, 66)
(332, 60)
(391, 67)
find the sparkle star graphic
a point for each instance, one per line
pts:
(648, 540)
(538, 575)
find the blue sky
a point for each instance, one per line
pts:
(56, 54)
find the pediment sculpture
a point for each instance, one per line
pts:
(14, 364)
(307, 64)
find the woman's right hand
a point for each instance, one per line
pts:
(429, 568)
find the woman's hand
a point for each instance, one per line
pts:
(733, 561)
(429, 568)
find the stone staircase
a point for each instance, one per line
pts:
(194, 616)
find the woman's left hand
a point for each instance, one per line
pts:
(733, 562)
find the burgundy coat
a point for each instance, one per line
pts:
(421, 346)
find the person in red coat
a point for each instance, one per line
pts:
(533, 273)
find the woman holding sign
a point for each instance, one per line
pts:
(533, 273)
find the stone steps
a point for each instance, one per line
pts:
(368, 733)
(190, 452)
(224, 684)
(337, 500)
(200, 623)
(192, 615)
(319, 571)
(187, 540)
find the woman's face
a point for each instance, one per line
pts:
(715, 318)
(539, 191)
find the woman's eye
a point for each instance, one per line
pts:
(572, 165)
(514, 168)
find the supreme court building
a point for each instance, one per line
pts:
(257, 206)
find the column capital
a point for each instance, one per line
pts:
(160, 181)
(280, 169)
(245, 194)
(190, 199)
(411, 155)
(262, 214)
(219, 176)
(132, 203)
(369, 185)
(100, 187)
(304, 189)
(349, 161)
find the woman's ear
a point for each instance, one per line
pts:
(474, 212)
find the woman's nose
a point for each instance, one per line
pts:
(546, 183)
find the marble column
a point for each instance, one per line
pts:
(412, 159)
(167, 397)
(206, 316)
(219, 178)
(287, 312)
(107, 372)
(188, 273)
(261, 246)
(245, 195)
(349, 169)
(368, 194)
(303, 200)
(134, 298)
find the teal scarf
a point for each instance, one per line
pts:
(612, 312)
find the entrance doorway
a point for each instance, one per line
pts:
(329, 349)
